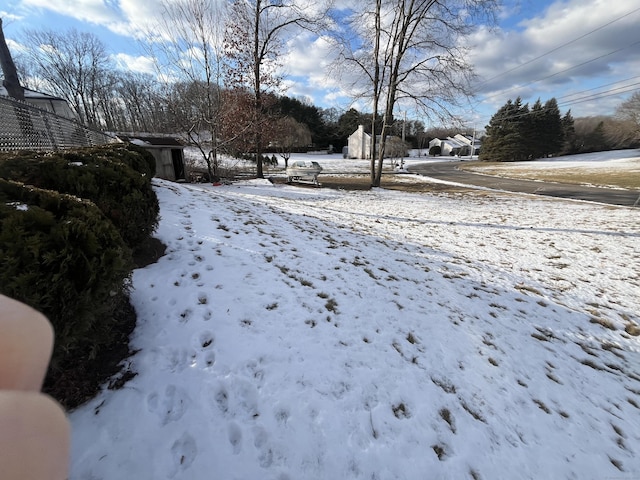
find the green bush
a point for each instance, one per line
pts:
(117, 178)
(62, 256)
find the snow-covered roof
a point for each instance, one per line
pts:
(32, 95)
(152, 141)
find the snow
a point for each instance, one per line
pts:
(305, 333)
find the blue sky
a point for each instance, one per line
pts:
(585, 53)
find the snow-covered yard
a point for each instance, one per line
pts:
(298, 333)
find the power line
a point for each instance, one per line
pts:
(597, 88)
(560, 47)
(596, 96)
(561, 71)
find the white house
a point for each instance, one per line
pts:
(456, 145)
(359, 144)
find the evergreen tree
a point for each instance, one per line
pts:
(569, 134)
(517, 132)
(536, 131)
(505, 139)
(553, 129)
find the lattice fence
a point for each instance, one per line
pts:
(24, 127)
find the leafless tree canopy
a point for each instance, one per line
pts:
(409, 52)
(254, 39)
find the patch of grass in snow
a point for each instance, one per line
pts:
(444, 384)
(370, 273)
(541, 405)
(472, 412)
(272, 306)
(358, 262)
(445, 414)
(590, 363)
(439, 451)
(613, 348)
(624, 178)
(632, 329)
(528, 289)
(586, 349)
(604, 322)
(331, 305)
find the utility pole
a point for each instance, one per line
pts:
(404, 124)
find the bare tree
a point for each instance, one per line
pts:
(409, 51)
(73, 65)
(253, 41)
(187, 48)
(288, 135)
(628, 115)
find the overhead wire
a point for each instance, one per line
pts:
(581, 99)
(560, 47)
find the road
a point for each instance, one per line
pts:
(448, 171)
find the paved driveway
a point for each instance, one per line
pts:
(449, 171)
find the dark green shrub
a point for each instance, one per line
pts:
(108, 175)
(62, 256)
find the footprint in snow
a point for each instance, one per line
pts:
(169, 407)
(235, 437)
(183, 452)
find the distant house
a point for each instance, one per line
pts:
(457, 145)
(359, 144)
(168, 152)
(53, 104)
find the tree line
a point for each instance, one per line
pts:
(517, 132)
(218, 78)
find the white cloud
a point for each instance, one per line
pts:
(93, 11)
(139, 64)
(565, 48)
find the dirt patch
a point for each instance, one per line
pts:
(391, 181)
(628, 178)
(149, 252)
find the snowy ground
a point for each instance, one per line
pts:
(299, 333)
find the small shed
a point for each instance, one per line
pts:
(168, 152)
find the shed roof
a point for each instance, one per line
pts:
(152, 141)
(31, 94)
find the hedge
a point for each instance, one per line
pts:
(117, 178)
(62, 256)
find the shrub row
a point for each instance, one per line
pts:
(116, 178)
(68, 224)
